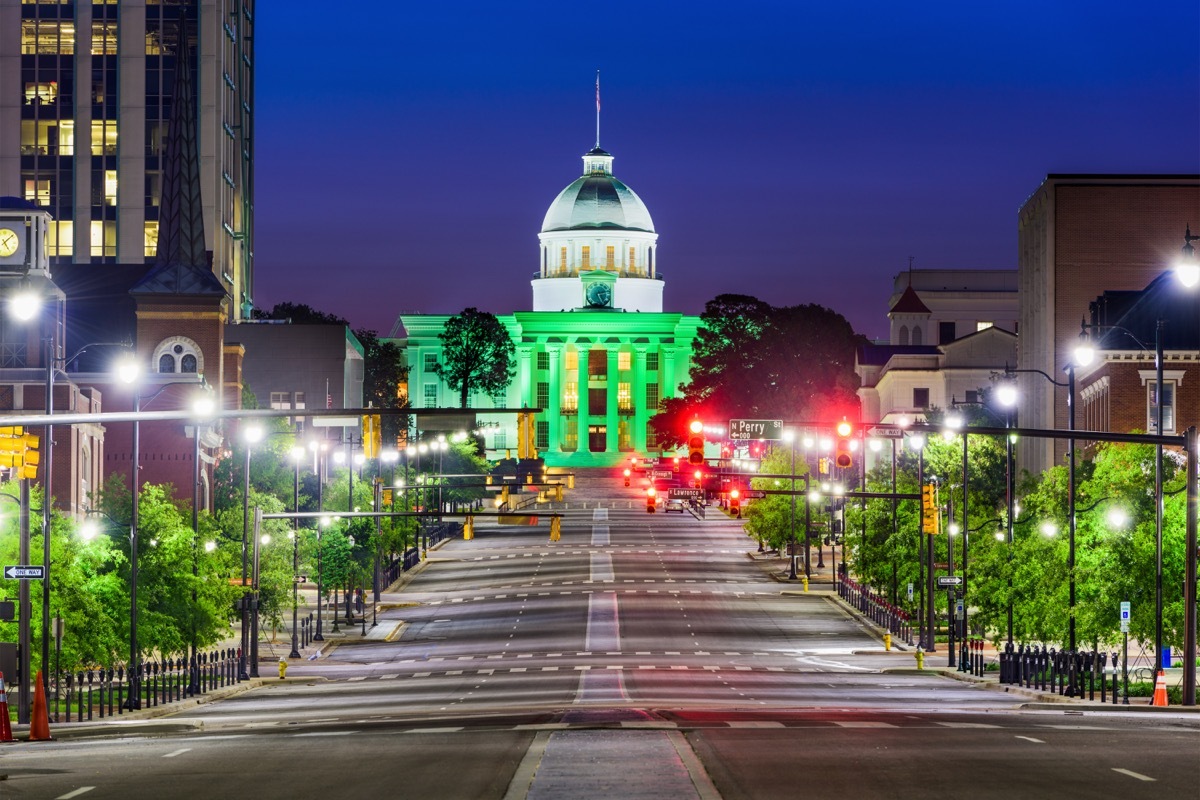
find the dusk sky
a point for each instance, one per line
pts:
(797, 152)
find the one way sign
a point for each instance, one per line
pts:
(23, 573)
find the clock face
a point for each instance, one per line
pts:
(9, 242)
(598, 295)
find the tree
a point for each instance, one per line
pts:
(477, 355)
(301, 314)
(753, 360)
(384, 372)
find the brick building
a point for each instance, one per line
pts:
(1118, 391)
(1079, 236)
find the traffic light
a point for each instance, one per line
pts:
(735, 502)
(695, 442)
(627, 474)
(929, 509)
(843, 456)
(19, 452)
(699, 476)
(372, 435)
(526, 435)
(651, 500)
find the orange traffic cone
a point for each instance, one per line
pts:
(5, 722)
(1160, 690)
(39, 723)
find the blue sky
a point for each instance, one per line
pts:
(407, 153)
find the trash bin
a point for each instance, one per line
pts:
(1166, 658)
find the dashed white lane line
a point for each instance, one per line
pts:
(326, 733)
(863, 723)
(1031, 739)
(1133, 774)
(178, 752)
(76, 793)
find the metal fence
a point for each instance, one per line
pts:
(876, 609)
(87, 694)
(1073, 674)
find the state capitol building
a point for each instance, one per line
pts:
(597, 352)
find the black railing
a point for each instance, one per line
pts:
(876, 609)
(1060, 671)
(105, 692)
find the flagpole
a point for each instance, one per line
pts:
(597, 109)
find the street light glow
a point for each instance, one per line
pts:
(252, 434)
(1006, 394)
(24, 306)
(128, 369)
(1049, 529)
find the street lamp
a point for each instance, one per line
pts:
(789, 436)
(129, 372)
(1085, 353)
(252, 434)
(297, 457)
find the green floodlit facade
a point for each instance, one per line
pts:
(597, 353)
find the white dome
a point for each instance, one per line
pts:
(597, 201)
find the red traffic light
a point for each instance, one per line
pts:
(696, 427)
(650, 492)
(627, 473)
(734, 494)
(843, 458)
(844, 428)
(699, 474)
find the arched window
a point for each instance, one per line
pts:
(179, 354)
(917, 335)
(903, 334)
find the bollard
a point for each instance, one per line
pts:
(920, 659)
(282, 669)
(805, 580)
(887, 642)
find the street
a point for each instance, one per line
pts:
(643, 655)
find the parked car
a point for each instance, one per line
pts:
(674, 504)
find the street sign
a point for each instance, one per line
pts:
(742, 429)
(949, 580)
(910, 592)
(889, 433)
(663, 474)
(1124, 610)
(753, 494)
(24, 573)
(685, 494)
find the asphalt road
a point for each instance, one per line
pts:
(640, 656)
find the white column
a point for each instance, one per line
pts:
(610, 441)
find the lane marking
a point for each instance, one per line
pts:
(1133, 774)
(1031, 739)
(76, 793)
(178, 752)
(863, 724)
(326, 733)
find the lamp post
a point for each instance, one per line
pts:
(297, 455)
(1189, 273)
(789, 436)
(128, 372)
(1084, 355)
(251, 435)
(318, 465)
(925, 619)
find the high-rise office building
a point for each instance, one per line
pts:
(86, 93)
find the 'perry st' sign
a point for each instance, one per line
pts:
(755, 429)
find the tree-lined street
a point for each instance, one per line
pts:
(643, 655)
